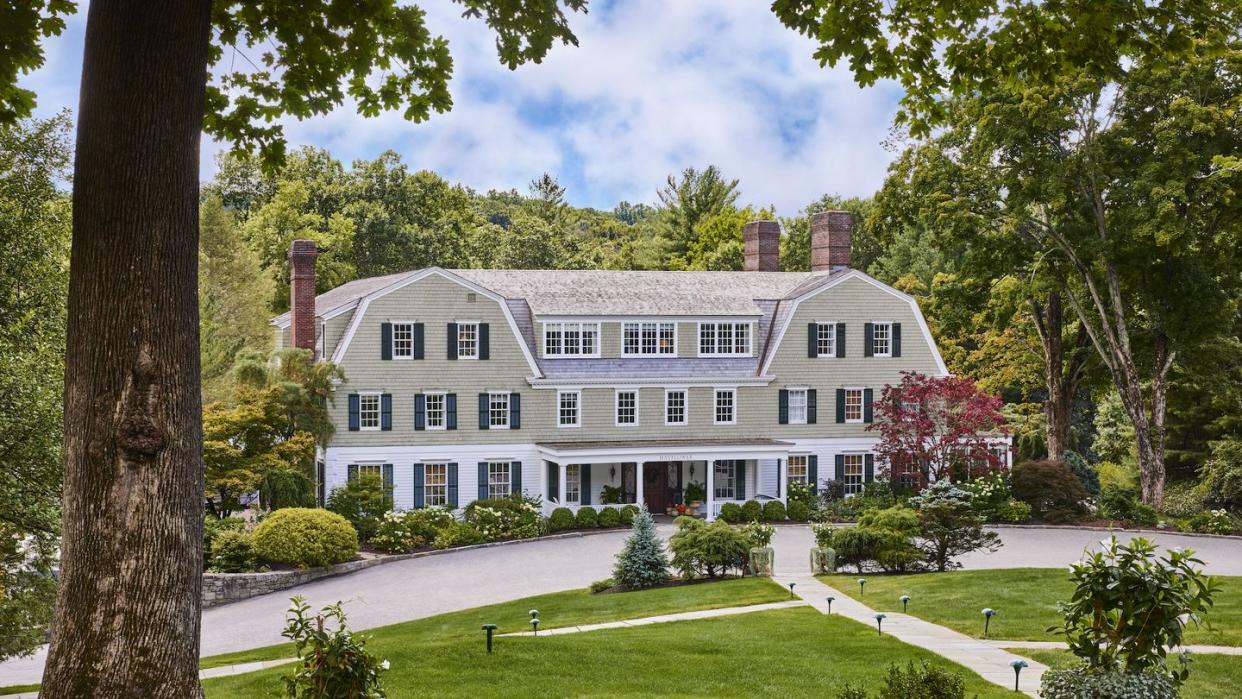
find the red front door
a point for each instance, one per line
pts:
(655, 487)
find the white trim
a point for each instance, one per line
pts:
(862, 405)
(715, 399)
(889, 353)
(577, 409)
(392, 341)
(657, 354)
(638, 382)
(616, 407)
(830, 355)
(750, 339)
(379, 410)
(443, 411)
(614, 318)
(339, 353)
(599, 337)
(855, 274)
(508, 410)
(806, 404)
(685, 407)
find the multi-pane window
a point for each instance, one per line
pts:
(648, 338)
(571, 339)
(675, 407)
(797, 406)
(723, 480)
(567, 408)
(882, 339)
(467, 340)
(498, 479)
(724, 339)
(435, 411)
(497, 410)
(369, 411)
(376, 470)
(853, 473)
(435, 485)
(853, 405)
(826, 339)
(627, 407)
(573, 483)
(797, 469)
(726, 408)
(402, 340)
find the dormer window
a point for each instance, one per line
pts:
(571, 339)
(724, 339)
(648, 339)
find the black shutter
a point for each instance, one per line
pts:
(812, 340)
(839, 469)
(484, 423)
(515, 411)
(868, 468)
(450, 411)
(896, 339)
(419, 352)
(482, 480)
(387, 471)
(452, 340)
(385, 340)
(840, 406)
(811, 408)
(485, 343)
(420, 412)
(840, 340)
(782, 407)
(868, 413)
(419, 486)
(515, 477)
(584, 484)
(739, 485)
(812, 472)
(354, 423)
(452, 485)
(554, 482)
(386, 411)
(868, 339)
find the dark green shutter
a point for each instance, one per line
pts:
(896, 339)
(739, 484)
(419, 352)
(351, 472)
(387, 471)
(485, 343)
(419, 486)
(840, 339)
(554, 482)
(483, 421)
(450, 411)
(354, 423)
(452, 485)
(420, 412)
(452, 340)
(869, 468)
(839, 469)
(385, 340)
(782, 407)
(840, 405)
(386, 411)
(868, 413)
(868, 339)
(812, 472)
(811, 407)
(482, 480)
(812, 340)
(515, 411)
(584, 483)
(515, 477)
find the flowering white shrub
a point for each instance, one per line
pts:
(406, 531)
(504, 518)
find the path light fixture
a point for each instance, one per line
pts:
(830, 599)
(905, 600)
(1017, 664)
(988, 613)
(879, 621)
(534, 622)
(533, 613)
(489, 628)
(791, 592)
(862, 582)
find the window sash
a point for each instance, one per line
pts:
(724, 339)
(376, 470)
(726, 406)
(498, 479)
(402, 340)
(564, 339)
(853, 473)
(723, 481)
(881, 339)
(627, 407)
(434, 405)
(796, 468)
(797, 406)
(853, 405)
(435, 485)
(573, 483)
(675, 408)
(568, 408)
(498, 410)
(467, 340)
(369, 411)
(826, 340)
(655, 338)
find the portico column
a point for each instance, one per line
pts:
(638, 484)
(561, 485)
(782, 479)
(711, 490)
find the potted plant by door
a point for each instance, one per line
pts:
(695, 493)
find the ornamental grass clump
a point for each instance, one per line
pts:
(642, 562)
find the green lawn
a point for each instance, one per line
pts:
(788, 653)
(1025, 600)
(1212, 676)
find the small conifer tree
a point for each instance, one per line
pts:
(643, 561)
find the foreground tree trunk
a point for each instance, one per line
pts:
(127, 618)
(1062, 380)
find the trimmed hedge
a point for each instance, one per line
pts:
(609, 517)
(305, 537)
(798, 511)
(774, 511)
(587, 518)
(628, 513)
(562, 518)
(731, 512)
(752, 511)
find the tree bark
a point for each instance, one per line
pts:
(127, 617)
(1062, 380)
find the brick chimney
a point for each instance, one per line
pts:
(302, 254)
(761, 245)
(831, 232)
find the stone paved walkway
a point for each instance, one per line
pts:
(989, 661)
(663, 618)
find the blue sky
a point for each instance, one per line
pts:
(653, 87)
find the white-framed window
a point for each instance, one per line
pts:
(797, 406)
(402, 340)
(376, 470)
(498, 479)
(882, 339)
(726, 406)
(826, 339)
(571, 339)
(435, 485)
(853, 405)
(568, 409)
(723, 480)
(627, 408)
(497, 410)
(467, 340)
(724, 339)
(655, 338)
(1000, 451)
(435, 411)
(368, 411)
(853, 473)
(573, 484)
(797, 469)
(675, 406)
